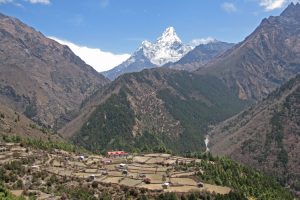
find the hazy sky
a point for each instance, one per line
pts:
(119, 26)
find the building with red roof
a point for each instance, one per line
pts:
(117, 154)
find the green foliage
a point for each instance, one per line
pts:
(167, 196)
(78, 193)
(231, 196)
(197, 101)
(244, 180)
(51, 145)
(43, 129)
(210, 103)
(5, 194)
(52, 180)
(41, 144)
(202, 195)
(105, 196)
(151, 142)
(110, 126)
(289, 110)
(18, 185)
(276, 136)
(201, 155)
(30, 110)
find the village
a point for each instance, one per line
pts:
(151, 173)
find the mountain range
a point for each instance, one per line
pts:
(179, 106)
(163, 108)
(266, 59)
(167, 48)
(168, 51)
(201, 55)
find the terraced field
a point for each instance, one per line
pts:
(154, 172)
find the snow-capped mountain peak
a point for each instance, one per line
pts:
(146, 44)
(167, 48)
(169, 36)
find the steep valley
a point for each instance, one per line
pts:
(266, 136)
(158, 108)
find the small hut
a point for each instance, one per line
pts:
(125, 172)
(200, 184)
(166, 185)
(147, 180)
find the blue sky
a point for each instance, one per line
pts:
(119, 26)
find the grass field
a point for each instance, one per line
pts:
(110, 167)
(183, 174)
(115, 173)
(111, 179)
(207, 187)
(150, 186)
(155, 178)
(217, 189)
(141, 159)
(155, 160)
(91, 171)
(183, 189)
(183, 181)
(130, 182)
(150, 165)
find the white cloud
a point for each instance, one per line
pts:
(275, 4)
(272, 4)
(98, 59)
(229, 7)
(39, 1)
(199, 41)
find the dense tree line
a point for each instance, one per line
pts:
(211, 102)
(110, 126)
(42, 144)
(244, 180)
(5, 194)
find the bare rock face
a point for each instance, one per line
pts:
(41, 78)
(264, 60)
(17, 124)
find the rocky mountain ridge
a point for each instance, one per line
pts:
(41, 78)
(201, 55)
(264, 60)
